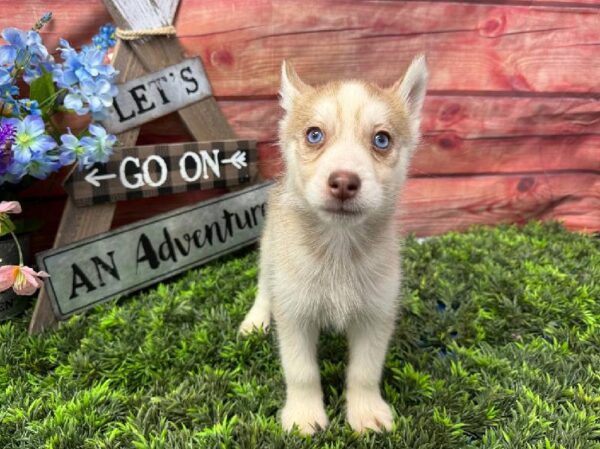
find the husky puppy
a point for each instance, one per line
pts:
(330, 251)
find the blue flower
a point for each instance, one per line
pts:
(8, 89)
(9, 107)
(98, 147)
(42, 164)
(74, 102)
(90, 82)
(29, 107)
(14, 173)
(93, 96)
(31, 139)
(5, 77)
(99, 96)
(39, 166)
(71, 150)
(31, 150)
(24, 49)
(83, 65)
(105, 38)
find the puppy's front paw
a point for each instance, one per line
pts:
(367, 410)
(308, 415)
(256, 318)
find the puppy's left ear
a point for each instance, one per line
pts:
(412, 88)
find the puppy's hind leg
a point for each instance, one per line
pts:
(259, 316)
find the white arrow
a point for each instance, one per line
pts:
(238, 160)
(93, 179)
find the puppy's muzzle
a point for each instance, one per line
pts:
(343, 185)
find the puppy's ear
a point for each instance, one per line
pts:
(291, 85)
(412, 88)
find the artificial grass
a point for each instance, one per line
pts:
(498, 346)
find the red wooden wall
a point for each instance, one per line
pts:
(512, 119)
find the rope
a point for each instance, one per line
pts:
(131, 35)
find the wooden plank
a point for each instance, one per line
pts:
(468, 116)
(142, 14)
(449, 154)
(487, 116)
(432, 206)
(448, 200)
(470, 47)
(500, 47)
(78, 223)
(579, 4)
(78, 20)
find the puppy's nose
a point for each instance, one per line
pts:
(344, 185)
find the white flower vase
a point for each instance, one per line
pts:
(11, 304)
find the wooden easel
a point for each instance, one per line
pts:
(133, 59)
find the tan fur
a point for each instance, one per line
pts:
(323, 269)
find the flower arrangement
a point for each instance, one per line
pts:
(34, 88)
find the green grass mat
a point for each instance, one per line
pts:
(498, 346)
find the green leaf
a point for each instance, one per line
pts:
(6, 225)
(42, 89)
(23, 226)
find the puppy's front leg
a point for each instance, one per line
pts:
(368, 343)
(304, 398)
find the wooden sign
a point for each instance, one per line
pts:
(154, 170)
(157, 94)
(127, 259)
(203, 119)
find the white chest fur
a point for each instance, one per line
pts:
(332, 277)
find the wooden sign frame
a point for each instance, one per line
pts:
(203, 119)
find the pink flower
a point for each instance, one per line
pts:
(10, 207)
(22, 279)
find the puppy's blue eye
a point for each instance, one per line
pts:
(314, 135)
(381, 140)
